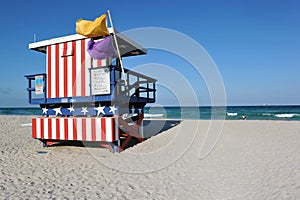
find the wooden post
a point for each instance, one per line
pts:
(117, 46)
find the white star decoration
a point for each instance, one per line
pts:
(112, 109)
(57, 111)
(100, 109)
(71, 109)
(45, 110)
(84, 110)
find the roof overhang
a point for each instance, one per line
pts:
(127, 46)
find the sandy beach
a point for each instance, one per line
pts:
(251, 160)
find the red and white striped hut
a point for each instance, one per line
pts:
(85, 99)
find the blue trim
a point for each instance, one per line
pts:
(112, 83)
(91, 99)
(78, 111)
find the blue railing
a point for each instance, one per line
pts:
(139, 89)
(34, 98)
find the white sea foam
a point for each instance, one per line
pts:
(267, 114)
(232, 114)
(153, 115)
(287, 115)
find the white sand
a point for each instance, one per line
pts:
(252, 160)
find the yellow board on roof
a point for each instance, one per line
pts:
(92, 29)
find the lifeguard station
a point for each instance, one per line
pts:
(88, 99)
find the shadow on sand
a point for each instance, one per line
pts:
(154, 127)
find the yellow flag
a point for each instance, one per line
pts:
(92, 29)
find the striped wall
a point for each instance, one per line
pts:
(77, 129)
(68, 67)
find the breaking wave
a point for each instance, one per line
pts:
(232, 114)
(153, 115)
(287, 115)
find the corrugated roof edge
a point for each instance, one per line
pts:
(44, 43)
(41, 45)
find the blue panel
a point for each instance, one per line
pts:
(81, 111)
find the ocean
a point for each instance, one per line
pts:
(228, 113)
(290, 113)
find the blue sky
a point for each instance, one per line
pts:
(255, 44)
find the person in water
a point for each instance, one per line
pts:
(244, 117)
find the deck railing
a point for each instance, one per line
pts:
(140, 89)
(37, 88)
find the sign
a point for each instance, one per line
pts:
(39, 85)
(100, 81)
